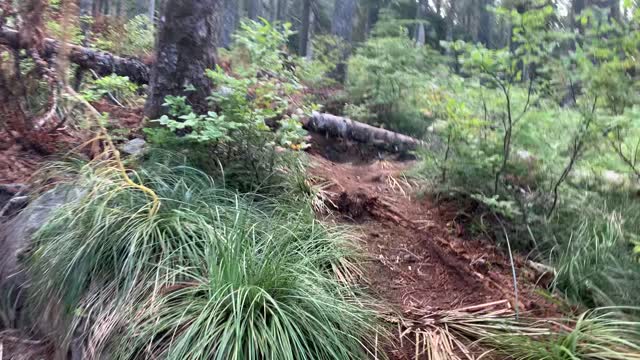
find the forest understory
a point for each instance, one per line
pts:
(419, 260)
(319, 179)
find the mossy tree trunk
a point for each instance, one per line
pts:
(188, 34)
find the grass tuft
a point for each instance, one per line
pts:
(212, 275)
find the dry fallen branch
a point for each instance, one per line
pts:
(453, 334)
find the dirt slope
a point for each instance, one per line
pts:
(418, 256)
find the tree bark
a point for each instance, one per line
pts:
(343, 16)
(85, 7)
(484, 26)
(253, 11)
(421, 15)
(306, 28)
(230, 21)
(101, 62)
(576, 8)
(282, 10)
(273, 11)
(152, 10)
(340, 127)
(188, 35)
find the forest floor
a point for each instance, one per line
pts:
(418, 256)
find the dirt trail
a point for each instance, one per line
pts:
(419, 258)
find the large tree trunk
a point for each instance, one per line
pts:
(253, 10)
(152, 10)
(141, 7)
(343, 16)
(344, 13)
(305, 31)
(421, 15)
(282, 10)
(188, 34)
(576, 8)
(484, 26)
(230, 21)
(273, 11)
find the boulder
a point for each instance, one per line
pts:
(16, 235)
(134, 147)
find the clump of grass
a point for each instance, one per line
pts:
(589, 243)
(600, 334)
(212, 274)
(491, 331)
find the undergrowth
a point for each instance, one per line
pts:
(214, 274)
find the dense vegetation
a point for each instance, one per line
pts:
(207, 246)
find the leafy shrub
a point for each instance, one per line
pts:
(211, 274)
(328, 52)
(136, 37)
(261, 47)
(116, 88)
(252, 121)
(385, 77)
(506, 138)
(236, 137)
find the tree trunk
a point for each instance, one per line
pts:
(142, 7)
(343, 16)
(86, 8)
(576, 8)
(32, 27)
(344, 13)
(421, 15)
(438, 5)
(188, 34)
(484, 26)
(118, 8)
(152, 10)
(253, 11)
(282, 10)
(305, 31)
(230, 21)
(273, 11)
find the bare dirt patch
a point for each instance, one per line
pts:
(419, 257)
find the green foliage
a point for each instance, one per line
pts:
(212, 274)
(113, 87)
(599, 334)
(386, 75)
(328, 52)
(261, 46)
(136, 37)
(544, 135)
(245, 136)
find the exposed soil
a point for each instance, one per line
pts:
(19, 161)
(419, 257)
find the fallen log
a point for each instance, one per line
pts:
(101, 62)
(341, 127)
(104, 64)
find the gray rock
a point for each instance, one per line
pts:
(16, 236)
(134, 147)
